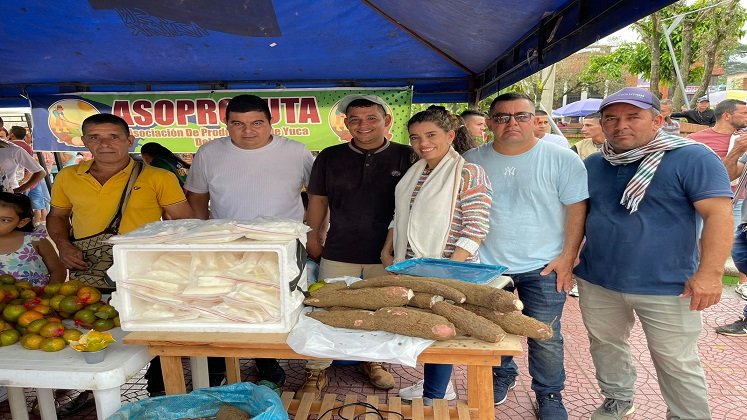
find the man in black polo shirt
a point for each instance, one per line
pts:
(355, 181)
(702, 114)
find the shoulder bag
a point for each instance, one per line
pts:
(97, 252)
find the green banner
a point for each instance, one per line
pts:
(182, 121)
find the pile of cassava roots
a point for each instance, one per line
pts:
(427, 307)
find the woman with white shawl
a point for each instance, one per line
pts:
(441, 211)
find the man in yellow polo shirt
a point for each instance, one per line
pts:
(92, 190)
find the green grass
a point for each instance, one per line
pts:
(730, 280)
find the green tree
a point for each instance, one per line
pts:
(719, 34)
(703, 37)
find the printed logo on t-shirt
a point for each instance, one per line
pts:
(509, 171)
(396, 173)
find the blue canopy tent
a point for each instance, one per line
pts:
(447, 50)
(580, 108)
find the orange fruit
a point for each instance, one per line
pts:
(103, 324)
(52, 289)
(27, 317)
(53, 344)
(85, 316)
(36, 325)
(71, 334)
(24, 285)
(13, 312)
(42, 309)
(95, 306)
(7, 279)
(88, 294)
(70, 287)
(9, 337)
(70, 304)
(52, 329)
(53, 319)
(31, 302)
(8, 292)
(107, 312)
(26, 293)
(31, 341)
(55, 300)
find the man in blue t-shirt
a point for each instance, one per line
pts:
(536, 226)
(646, 188)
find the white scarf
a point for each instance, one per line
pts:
(425, 226)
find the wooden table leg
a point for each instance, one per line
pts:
(233, 370)
(480, 391)
(173, 375)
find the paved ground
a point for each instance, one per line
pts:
(723, 359)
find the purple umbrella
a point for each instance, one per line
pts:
(580, 108)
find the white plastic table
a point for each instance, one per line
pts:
(66, 369)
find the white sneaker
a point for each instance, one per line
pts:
(574, 291)
(416, 391)
(741, 290)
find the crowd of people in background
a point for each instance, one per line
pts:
(611, 219)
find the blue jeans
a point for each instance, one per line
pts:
(739, 249)
(739, 254)
(436, 380)
(543, 302)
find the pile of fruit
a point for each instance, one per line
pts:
(34, 316)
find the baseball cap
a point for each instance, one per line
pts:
(343, 105)
(642, 98)
(703, 99)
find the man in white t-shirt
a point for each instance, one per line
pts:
(14, 159)
(542, 130)
(252, 173)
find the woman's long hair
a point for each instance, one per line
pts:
(447, 121)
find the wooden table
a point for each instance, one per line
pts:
(478, 356)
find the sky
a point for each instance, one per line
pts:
(628, 34)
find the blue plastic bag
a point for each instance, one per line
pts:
(448, 269)
(259, 401)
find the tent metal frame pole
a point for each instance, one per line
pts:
(420, 39)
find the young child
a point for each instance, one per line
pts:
(23, 254)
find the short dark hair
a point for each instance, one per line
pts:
(593, 116)
(156, 150)
(508, 97)
(21, 203)
(97, 119)
(467, 113)
(18, 132)
(365, 103)
(539, 112)
(248, 103)
(727, 106)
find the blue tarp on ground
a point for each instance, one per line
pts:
(446, 49)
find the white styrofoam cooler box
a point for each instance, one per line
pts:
(131, 260)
